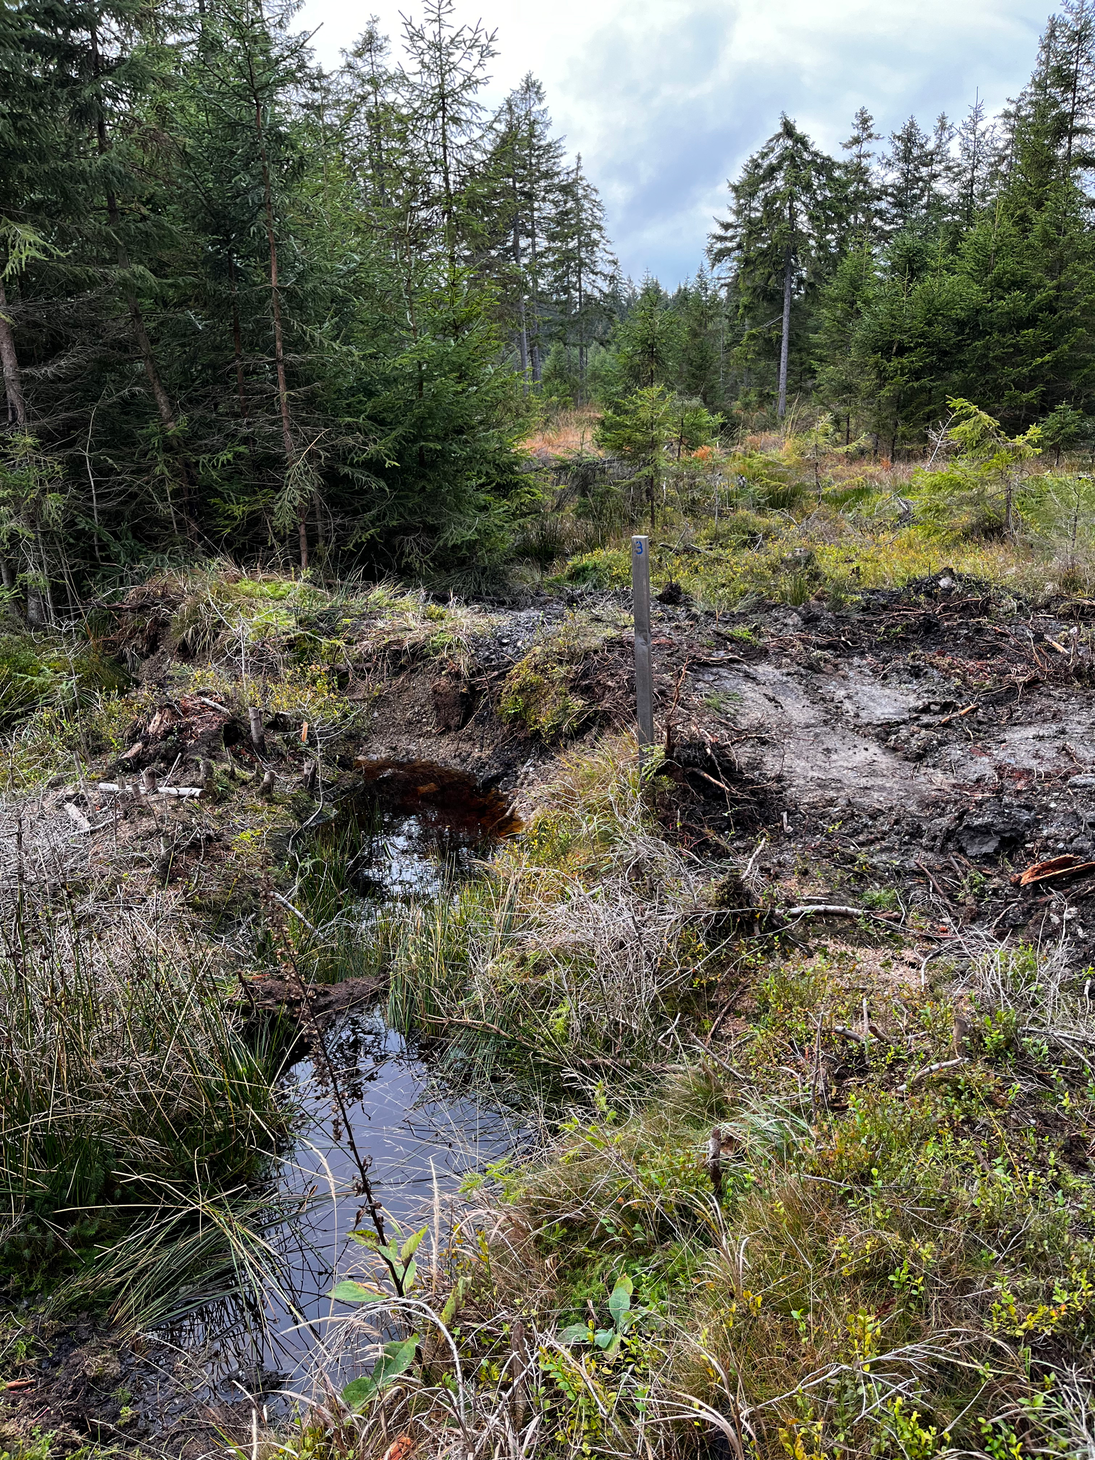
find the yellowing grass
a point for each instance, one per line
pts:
(566, 433)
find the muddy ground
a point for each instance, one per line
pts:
(935, 741)
(938, 740)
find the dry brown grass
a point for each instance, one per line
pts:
(565, 434)
(578, 942)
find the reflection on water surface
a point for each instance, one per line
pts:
(421, 1137)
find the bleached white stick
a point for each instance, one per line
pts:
(112, 788)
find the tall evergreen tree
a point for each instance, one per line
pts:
(526, 167)
(240, 132)
(447, 71)
(779, 228)
(372, 124)
(581, 267)
(1070, 64)
(915, 168)
(975, 168)
(857, 193)
(702, 313)
(105, 251)
(647, 340)
(847, 372)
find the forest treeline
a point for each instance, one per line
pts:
(943, 261)
(247, 305)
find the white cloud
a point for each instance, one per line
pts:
(665, 98)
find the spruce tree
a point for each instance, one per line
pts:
(779, 228)
(1070, 65)
(106, 256)
(701, 310)
(580, 265)
(974, 170)
(525, 166)
(647, 341)
(915, 168)
(857, 194)
(848, 372)
(243, 167)
(447, 71)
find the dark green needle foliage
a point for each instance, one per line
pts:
(253, 307)
(248, 306)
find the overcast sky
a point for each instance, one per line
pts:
(665, 98)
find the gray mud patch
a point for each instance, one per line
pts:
(930, 742)
(816, 734)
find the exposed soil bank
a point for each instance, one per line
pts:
(941, 738)
(932, 739)
(928, 736)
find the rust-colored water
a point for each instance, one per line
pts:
(441, 796)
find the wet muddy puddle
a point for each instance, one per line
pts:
(429, 824)
(424, 826)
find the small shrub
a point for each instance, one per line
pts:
(36, 673)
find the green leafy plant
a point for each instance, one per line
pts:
(398, 1259)
(395, 1359)
(999, 1439)
(882, 899)
(623, 1316)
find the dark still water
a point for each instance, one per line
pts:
(419, 1138)
(419, 1135)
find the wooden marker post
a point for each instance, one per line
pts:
(640, 592)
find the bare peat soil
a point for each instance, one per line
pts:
(940, 741)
